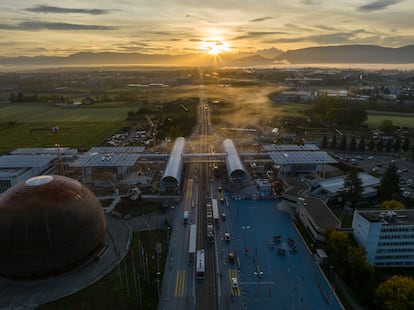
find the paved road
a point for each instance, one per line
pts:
(178, 285)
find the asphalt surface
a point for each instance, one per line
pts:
(25, 294)
(269, 279)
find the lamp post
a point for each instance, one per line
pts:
(245, 228)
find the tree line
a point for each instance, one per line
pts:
(349, 263)
(373, 145)
(336, 112)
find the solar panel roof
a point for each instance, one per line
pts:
(112, 149)
(105, 160)
(290, 147)
(292, 158)
(25, 161)
(42, 150)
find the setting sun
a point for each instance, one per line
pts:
(214, 46)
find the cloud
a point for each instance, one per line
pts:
(323, 27)
(8, 27)
(260, 19)
(298, 28)
(378, 5)
(257, 34)
(33, 26)
(310, 2)
(201, 19)
(60, 10)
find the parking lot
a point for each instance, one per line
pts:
(378, 164)
(276, 268)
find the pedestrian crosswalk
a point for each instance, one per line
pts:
(180, 283)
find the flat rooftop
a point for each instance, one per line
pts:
(25, 161)
(301, 157)
(113, 150)
(105, 160)
(296, 187)
(290, 147)
(333, 185)
(387, 217)
(320, 213)
(44, 150)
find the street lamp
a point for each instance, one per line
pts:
(245, 228)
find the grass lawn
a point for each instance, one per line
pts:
(80, 135)
(28, 125)
(375, 118)
(35, 113)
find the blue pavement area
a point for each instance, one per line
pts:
(290, 276)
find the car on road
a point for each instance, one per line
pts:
(370, 157)
(234, 283)
(223, 216)
(231, 257)
(227, 236)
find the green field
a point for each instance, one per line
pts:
(40, 113)
(375, 118)
(28, 125)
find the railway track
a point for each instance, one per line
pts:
(206, 289)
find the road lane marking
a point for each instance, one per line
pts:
(234, 274)
(179, 283)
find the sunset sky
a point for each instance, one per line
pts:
(60, 28)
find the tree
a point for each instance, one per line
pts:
(392, 205)
(361, 145)
(388, 145)
(353, 144)
(389, 183)
(342, 144)
(361, 274)
(406, 144)
(397, 144)
(371, 145)
(387, 126)
(338, 244)
(352, 187)
(397, 293)
(380, 144)
(324, 143)
(333, 142)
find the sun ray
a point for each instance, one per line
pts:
(214, 46)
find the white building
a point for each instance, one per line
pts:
(387, 236)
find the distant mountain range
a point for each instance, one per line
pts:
(350, 54)
(344, 54)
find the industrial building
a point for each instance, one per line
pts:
(24, 163)
(314, 214)
(108, 165)
(387, 236)
(330, 189)
(17, 168)
(171, 178)
(235, 169)
(294, 160)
